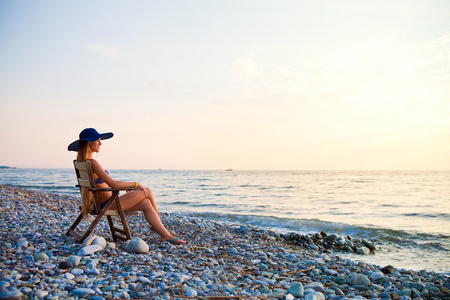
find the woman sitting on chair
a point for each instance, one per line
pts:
(142, 199)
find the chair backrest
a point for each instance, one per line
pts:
(85, 179)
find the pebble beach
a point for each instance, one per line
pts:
(219, 261)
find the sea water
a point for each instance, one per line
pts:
(406, 212)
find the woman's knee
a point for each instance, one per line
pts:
(146, 204)
(148, 193)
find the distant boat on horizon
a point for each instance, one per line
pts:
(229, 170)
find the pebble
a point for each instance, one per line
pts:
(77, 271)
(289, 297)
(315, 296)
(82, 292)
(10, 293)
(218, 260)
(359, 279)
(317, 286)
(377, 275)
(41, 294)
(74, 260)
(4, 284)
(296, 289)
(144, 279)
(93, 271)
(41, 256)
(89, 250)
(388, 269)
(22, 243)
(191, 293)
(65, 265)
(48, 266)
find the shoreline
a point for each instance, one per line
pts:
(217, 261)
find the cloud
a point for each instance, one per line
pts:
(107, 51)
(363, 79)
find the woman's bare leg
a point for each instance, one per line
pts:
(148, 193)
(135, 201)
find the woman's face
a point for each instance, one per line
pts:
(95, 145)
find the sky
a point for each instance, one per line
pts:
(245, 84)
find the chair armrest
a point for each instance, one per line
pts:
(112, 190)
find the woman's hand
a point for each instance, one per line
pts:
(139, 186)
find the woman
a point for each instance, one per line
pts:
(142, 199)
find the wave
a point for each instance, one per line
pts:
(309, 226)
(178, 203)
(428, 215)
(57, 189)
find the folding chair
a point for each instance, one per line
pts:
(86, 179)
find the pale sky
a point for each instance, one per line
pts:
(303, 85)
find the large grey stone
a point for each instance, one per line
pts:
(100, 241)
(137, 245)
(88, 241)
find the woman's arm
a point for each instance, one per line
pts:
(97, 169)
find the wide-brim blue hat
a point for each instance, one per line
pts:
(90, 135)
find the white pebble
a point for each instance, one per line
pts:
(191, 293)
(88, 241)
(289, 297)
(89, 250)
(144, 279)
(41, 294)
(100, 241)
(76, 271)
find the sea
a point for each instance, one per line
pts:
(407, 213)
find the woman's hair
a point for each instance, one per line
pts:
(84, 151)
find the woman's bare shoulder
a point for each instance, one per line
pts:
(95, 164)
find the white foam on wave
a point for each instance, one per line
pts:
(398, 248)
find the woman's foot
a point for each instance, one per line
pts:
(173, 240)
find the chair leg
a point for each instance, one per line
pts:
(123, 219)
(112, 228)
(75, 224)
(72, 232)
(124, 232)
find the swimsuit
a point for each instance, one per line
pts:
(98, 180)
(103, 204)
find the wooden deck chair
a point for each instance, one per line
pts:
(86, 179)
